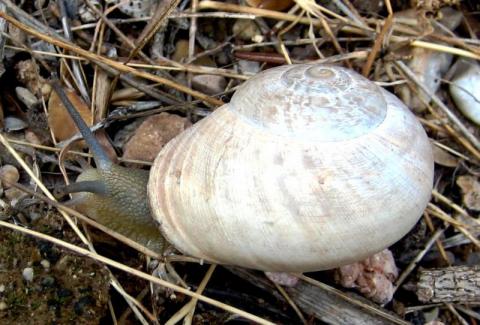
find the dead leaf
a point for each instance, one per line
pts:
(471, 191)
(443, 158)
(60, 121)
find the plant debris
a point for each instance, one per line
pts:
(141, 72)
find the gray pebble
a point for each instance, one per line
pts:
(28, 274)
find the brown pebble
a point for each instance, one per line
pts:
(9, 175)
(152, 135)
(373, 277)
(209, 84)
(32, 137)
(14, 195)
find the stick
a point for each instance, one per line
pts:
(452, 117)
(451, 284)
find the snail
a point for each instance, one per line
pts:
(309, 167)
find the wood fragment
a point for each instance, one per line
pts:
(322, 304)
(451, 284)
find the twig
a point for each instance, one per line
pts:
(417, 258)
(39, 183)
(26, 19)
(455, 120)
(455, 312)
(217, 5)
(192, 33)
(438, 242)
(445, 49)
(454, 206)
(76, 66)
(117, 31)
(164, 9)
(189, 308)
(349, 13)
(338, 293)
(290, 302)
(97, 59)
(69, 220)
(377, 45)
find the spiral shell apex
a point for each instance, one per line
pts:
(298, 100)
(308, 167)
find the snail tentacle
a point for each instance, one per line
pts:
(97, 187)
(101, 158)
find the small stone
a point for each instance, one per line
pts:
(45, 264)
(258, 38)
(32, 137)
(2, 288)
(28, 274)
(209, 84)
(48, 281)
(152, 135)
(86, 14)
(181, 51)
(181, 54)
(14, 195)
(282, 278)
(11, 124)
(249, 67)
(245, 29)
(26, 97)
(464, 89)
(3, 305)
(373, 277)
(9, 175)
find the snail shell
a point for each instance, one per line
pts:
(309, 167)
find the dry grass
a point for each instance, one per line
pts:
(380, 40)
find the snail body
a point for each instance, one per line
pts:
(308, 167)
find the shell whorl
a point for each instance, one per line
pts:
(297, 101)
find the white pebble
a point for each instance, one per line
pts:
(27, 274)
(464, 89)
(2, 288)
(45, 264)
(3, 305)
(26, 97)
